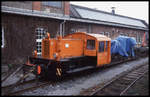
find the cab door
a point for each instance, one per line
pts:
(102, 53)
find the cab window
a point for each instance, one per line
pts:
(101, 46)
(90, 44)
(106, 47)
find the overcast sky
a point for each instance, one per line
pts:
(139, 10)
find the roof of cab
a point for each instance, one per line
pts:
(99, 37)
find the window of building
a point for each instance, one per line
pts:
(73, 30)
(82, 29)
(101, 46)
(107, 34)
(40, 34)
(57, 4)
(102, 33)
(2, 38)
(140, 39)
(127, 34)
(90, 29)
(113, 32)
(137, 37)
(121, 34)
(90, 44)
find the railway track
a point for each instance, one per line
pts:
(11, 72)
(22, 86)
(19, 88)
(119, 62)
(16, 89)
(120, 84)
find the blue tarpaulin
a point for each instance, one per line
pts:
(123, 45)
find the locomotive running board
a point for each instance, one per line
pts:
(80, 69)
(40, 60)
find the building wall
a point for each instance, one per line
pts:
(18, 4)
(38, 5)
(20, 37)
(51, 9)
(113, 32)
(109, 31)
(71, 27)
(64, 9)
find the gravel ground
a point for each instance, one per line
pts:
(13, 78)
(76, 84)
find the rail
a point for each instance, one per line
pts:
(33, 84)
(19, 88)
(121, 84)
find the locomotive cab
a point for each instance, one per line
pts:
(94, 45)
(103, 54)
(100, 47)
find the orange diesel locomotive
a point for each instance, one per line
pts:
(71, 53)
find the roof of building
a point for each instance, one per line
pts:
(88, 13)
(74, 16)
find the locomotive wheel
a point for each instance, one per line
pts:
(54, 73)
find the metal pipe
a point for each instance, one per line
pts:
(62, 28)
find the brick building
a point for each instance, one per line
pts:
(25, 23)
